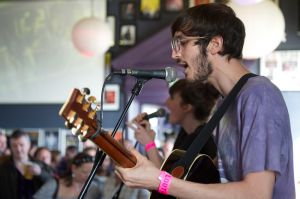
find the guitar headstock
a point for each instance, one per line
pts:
(80, 113)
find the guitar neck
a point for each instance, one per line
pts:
(118, 153)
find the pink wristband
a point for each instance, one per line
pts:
(150, 145)
(165, 181)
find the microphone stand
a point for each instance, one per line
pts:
(117, 193)
(100, 155)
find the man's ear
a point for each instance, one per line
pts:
(215, 45)
(187, 107)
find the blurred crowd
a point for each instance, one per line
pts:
(37, 172)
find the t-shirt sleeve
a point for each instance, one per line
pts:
(263, 124)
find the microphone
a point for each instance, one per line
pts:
(159, 113)
(169, 73)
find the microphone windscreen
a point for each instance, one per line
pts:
(171, 74)
(159, 113)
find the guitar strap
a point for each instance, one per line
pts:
(206, 132)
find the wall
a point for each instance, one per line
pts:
(39, 64)
(144, 27)
(45, 115)
(38, 61)
(292, 21)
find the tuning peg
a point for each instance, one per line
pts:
(75, 131)
(95, 106)
(92, 115)
(86, 91)
(98, 106)
(81, 138)
(68, 125)
(92, 99)
(78, 123)
(72, 117)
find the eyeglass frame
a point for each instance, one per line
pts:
(176, 42)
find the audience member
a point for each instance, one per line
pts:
(90, 150)
(108, 183)
(88, 143)
(71, 151)
(114, 188)
(43, 154)
(70, 185)
(103, 173)
(4, 150)
(20, 175)
(33, 148)
(55, 158)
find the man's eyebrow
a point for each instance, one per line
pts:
(178, 36)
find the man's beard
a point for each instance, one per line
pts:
(204, 68)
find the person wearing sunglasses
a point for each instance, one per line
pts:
(70, 185)
(254, 141)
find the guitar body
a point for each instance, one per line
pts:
(202, 170)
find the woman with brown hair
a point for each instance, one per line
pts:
(70, 185)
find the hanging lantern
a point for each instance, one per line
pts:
(265, 27)
(246, 2)
(92, 36)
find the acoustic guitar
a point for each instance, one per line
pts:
(79, 113)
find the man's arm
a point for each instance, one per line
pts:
(258, 185)
(145, 175)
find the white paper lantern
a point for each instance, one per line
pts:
(265, 27)
(246, 2)
(92, 36)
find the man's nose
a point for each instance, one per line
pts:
(175, 55)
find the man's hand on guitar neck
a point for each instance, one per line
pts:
(141, 175)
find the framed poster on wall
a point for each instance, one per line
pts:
(174, 5)
(127, 11)
(127, 35)
(111, 101)
(150, 9)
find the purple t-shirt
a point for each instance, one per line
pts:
(255, 135)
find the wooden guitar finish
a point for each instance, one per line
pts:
(202, 170)
(79, 114)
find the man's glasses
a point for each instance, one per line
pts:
(178, 42)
